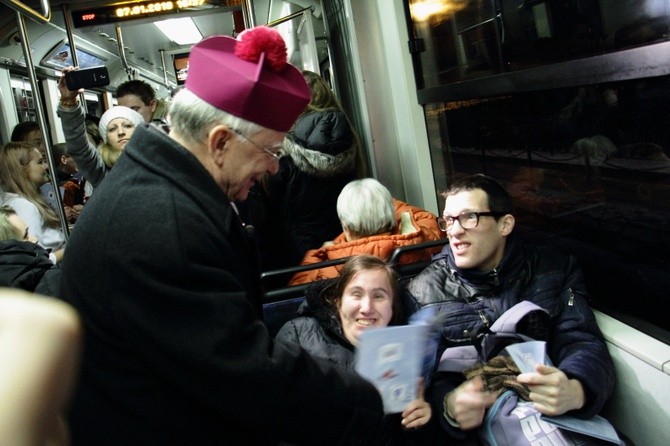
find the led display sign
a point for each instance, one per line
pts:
(138, 10)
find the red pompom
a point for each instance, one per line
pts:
(262, 39)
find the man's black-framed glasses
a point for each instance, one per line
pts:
(275, 151)
(467, 220)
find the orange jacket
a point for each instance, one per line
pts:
(417, 226)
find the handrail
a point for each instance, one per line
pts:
(289, 291)
(300, 268)
(67, 15)
(19, 7)
(285, 293)
(122, 52)
(400, 251)
(289, 17)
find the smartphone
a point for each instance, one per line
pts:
(87, 78)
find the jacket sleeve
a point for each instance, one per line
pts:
(443, 384)
(85, 154)
(288, 334)
(578, 347)
(429, 286)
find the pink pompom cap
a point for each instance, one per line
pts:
(249, 78)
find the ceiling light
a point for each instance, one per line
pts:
(181, 31)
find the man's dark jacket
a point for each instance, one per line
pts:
(542, 275)
(175, 351)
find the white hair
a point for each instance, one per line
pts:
(192, 118)
(366, 208)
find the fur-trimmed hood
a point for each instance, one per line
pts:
(322, 143)
(318, 163)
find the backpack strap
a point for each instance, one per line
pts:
(457, 359)
(507, 321)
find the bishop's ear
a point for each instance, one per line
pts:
(219, 136)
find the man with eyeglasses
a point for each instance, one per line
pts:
(162, 271)
(483, 272)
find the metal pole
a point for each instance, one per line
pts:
(248, 14)
(73, 49)
(286, 18)
(122, 52)
(37, 100)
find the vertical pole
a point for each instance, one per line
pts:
(37, 100)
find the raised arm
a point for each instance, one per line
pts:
(79, 147)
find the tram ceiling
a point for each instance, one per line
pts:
(142, 41)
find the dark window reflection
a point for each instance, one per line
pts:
(466, 39)
(588, 168)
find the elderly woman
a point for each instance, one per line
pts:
(366, 295)
(373, 222)
(116, 127)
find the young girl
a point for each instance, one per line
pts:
(22, 172)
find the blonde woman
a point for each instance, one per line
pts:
(22, 171)
(116, 127)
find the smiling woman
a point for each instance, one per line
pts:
(365, 296)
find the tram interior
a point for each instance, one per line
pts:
(587, 160)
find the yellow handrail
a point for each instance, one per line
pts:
(16, 5)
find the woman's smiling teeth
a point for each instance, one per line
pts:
(365, 322)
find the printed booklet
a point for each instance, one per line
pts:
(396, 359)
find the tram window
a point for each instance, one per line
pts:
(589, 170)
(23, 99)
(467, 40)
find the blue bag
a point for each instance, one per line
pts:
(512, 421)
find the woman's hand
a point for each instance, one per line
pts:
(418, 412)
(65, 94)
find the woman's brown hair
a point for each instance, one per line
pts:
(324, 99)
